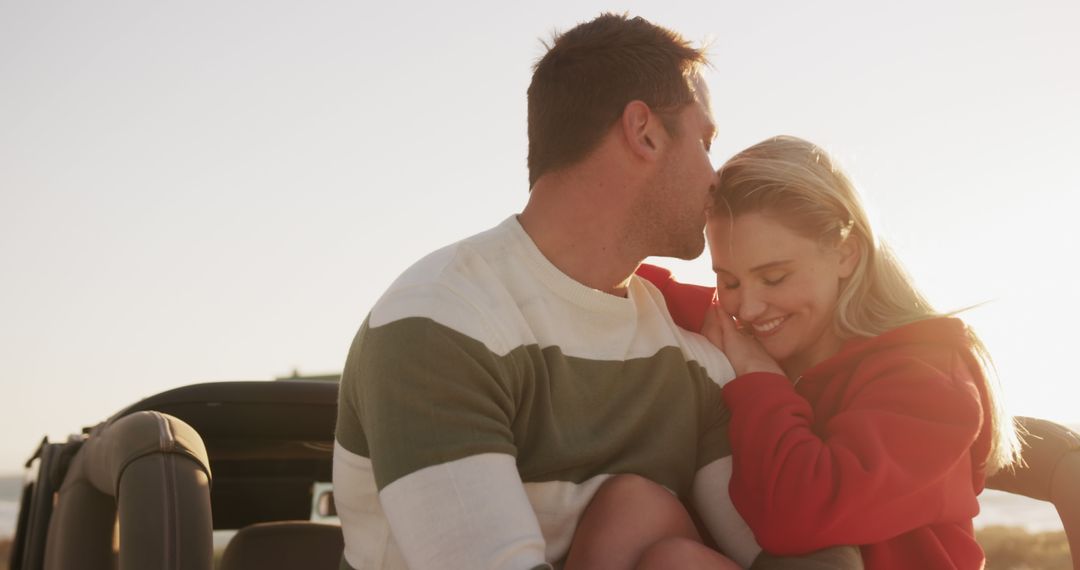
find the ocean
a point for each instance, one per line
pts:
(1005, 509)
(8, 511)
(10, 489)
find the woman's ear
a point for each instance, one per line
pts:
(850, 253)
(639, 129)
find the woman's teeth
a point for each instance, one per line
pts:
(768, 326)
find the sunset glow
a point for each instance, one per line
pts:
(196, 191)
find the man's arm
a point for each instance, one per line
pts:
(433, 408)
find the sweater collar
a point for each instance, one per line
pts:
(564, 285)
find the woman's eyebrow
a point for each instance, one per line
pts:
(769, 265)
(762, 267)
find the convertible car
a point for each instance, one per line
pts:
(164, 483)
(235, 476)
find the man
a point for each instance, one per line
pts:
(501, 380)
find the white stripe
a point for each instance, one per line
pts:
(497, 288)
(468, 513)
(727, 527)
(368, 544)
(558, 506)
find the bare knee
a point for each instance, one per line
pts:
(672, 552)
(635, 496)
(626, 515)
(629, 485)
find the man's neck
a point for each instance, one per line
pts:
(578, 223)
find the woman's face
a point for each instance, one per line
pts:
(779, 285)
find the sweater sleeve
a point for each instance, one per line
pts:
(893, 458)
(687, 303)
(431, 408)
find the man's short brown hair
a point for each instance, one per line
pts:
(588, 75)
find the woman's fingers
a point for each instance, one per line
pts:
(743, 350)
(727, 323)
(712, 329)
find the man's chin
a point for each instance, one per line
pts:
(688, 250)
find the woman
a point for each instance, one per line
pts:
(860, 415)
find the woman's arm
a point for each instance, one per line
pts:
(896, 458)
(686, 303)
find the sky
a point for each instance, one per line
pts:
(205, 191)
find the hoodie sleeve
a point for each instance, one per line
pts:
(893, 455)
(686, 303)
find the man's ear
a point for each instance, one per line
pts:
(639, 127)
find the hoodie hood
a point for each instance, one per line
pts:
(948, 331)
(921, 337)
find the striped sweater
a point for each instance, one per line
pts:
(488, 395)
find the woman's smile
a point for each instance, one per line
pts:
(763, 329)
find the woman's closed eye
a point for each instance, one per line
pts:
(773, 280)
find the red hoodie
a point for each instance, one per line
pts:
(882, 445)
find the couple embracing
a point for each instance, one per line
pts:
(535, 397)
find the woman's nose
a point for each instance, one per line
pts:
(743, 305)
(750, 307)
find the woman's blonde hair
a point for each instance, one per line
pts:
(797, 183)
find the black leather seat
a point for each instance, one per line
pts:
(285, 545)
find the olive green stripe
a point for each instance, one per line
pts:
(565, 418)
(348, 431)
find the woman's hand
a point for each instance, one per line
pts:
(743, 350)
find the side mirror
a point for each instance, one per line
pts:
(325, 504)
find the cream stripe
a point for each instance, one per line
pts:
(547, 322)
(726, 525)
(368, 544)
(468, 513)
(558, 506)
(488, 288)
